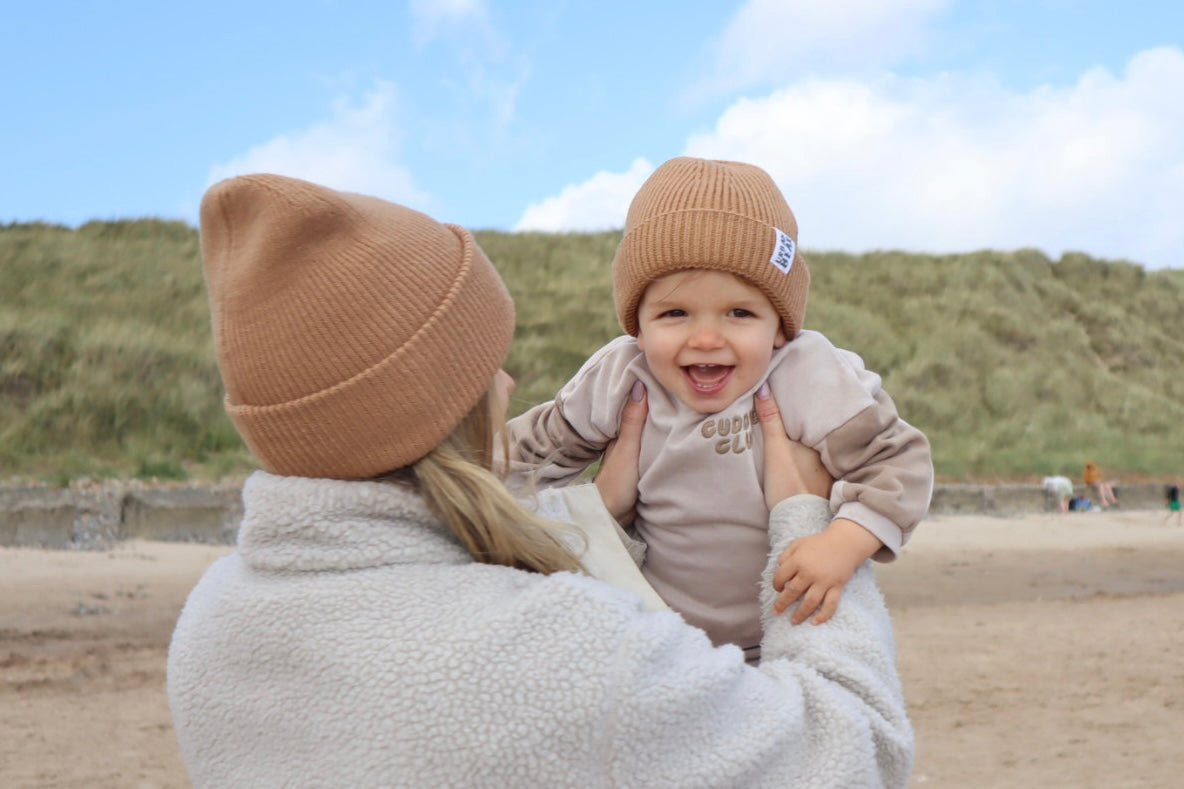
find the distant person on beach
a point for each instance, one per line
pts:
(1171, 495)
(1092, 476)
(711, 288)
(393, 616)
(1061, 488)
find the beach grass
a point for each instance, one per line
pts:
(1016, 365)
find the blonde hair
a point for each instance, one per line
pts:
(456, 479)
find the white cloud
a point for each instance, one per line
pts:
(779, 40)
(451, 10)
(955, 163)
(600, 203)
(432, 17)
(481, 69)
(356, 150)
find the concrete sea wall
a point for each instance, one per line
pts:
(95, 516)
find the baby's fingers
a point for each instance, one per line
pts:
(791, 589)
(786, 570)
(830, 604)
(809, 604)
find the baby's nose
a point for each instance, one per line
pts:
(705, 335)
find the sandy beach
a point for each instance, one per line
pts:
(1039, 651)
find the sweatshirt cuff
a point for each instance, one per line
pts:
(883, 528)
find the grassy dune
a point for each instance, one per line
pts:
(1015, 365)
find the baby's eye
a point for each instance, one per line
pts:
(740, 312)
(675, 313)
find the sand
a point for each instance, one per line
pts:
(1038, 651)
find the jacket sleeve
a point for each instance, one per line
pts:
(882, 465)
(824, 708)
(883, 469)
(545, 449)
(554, 442)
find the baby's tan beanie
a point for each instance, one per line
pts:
(705, 214)
(352, 334)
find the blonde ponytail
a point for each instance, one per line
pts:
(456, 480)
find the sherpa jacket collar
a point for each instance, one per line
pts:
(298, 524)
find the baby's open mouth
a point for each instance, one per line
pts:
(708, 378)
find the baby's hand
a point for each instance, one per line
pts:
(815, 569)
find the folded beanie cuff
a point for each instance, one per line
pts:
(353, 334)
(713, 240)
(395, 412)
(715, 215)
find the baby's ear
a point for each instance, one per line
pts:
(641, 341)
(778, 340)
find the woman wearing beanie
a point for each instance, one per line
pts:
(392, 616)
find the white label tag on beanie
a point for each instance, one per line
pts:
(783, 252)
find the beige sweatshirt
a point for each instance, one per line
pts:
(701, 507)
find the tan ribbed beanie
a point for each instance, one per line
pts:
(705, 214)
(353, 334)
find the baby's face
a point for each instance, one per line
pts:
(708, 336)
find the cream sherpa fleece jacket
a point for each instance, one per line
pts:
(350, 641)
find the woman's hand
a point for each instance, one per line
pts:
(790, 468)
(618, 475)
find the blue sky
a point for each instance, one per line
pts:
(928, 125)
